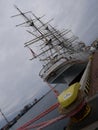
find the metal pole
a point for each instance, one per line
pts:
(4, 116)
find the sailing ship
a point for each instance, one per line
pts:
(60, 52)
(64, 60)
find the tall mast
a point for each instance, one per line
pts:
(51, 41)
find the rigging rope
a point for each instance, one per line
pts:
(56, 93)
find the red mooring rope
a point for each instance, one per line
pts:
(44, 124)
(56, 93)
(40, 116)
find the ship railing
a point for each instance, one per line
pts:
(48, 66)
(86, 79)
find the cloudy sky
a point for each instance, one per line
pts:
(19, 80)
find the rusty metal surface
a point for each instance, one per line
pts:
(94, 75)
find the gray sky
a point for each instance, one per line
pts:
(19, 80)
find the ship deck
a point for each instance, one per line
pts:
(91, 121)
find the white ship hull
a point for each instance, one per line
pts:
(65, 71)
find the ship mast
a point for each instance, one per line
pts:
(53, 44)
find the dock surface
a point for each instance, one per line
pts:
(91, 121)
